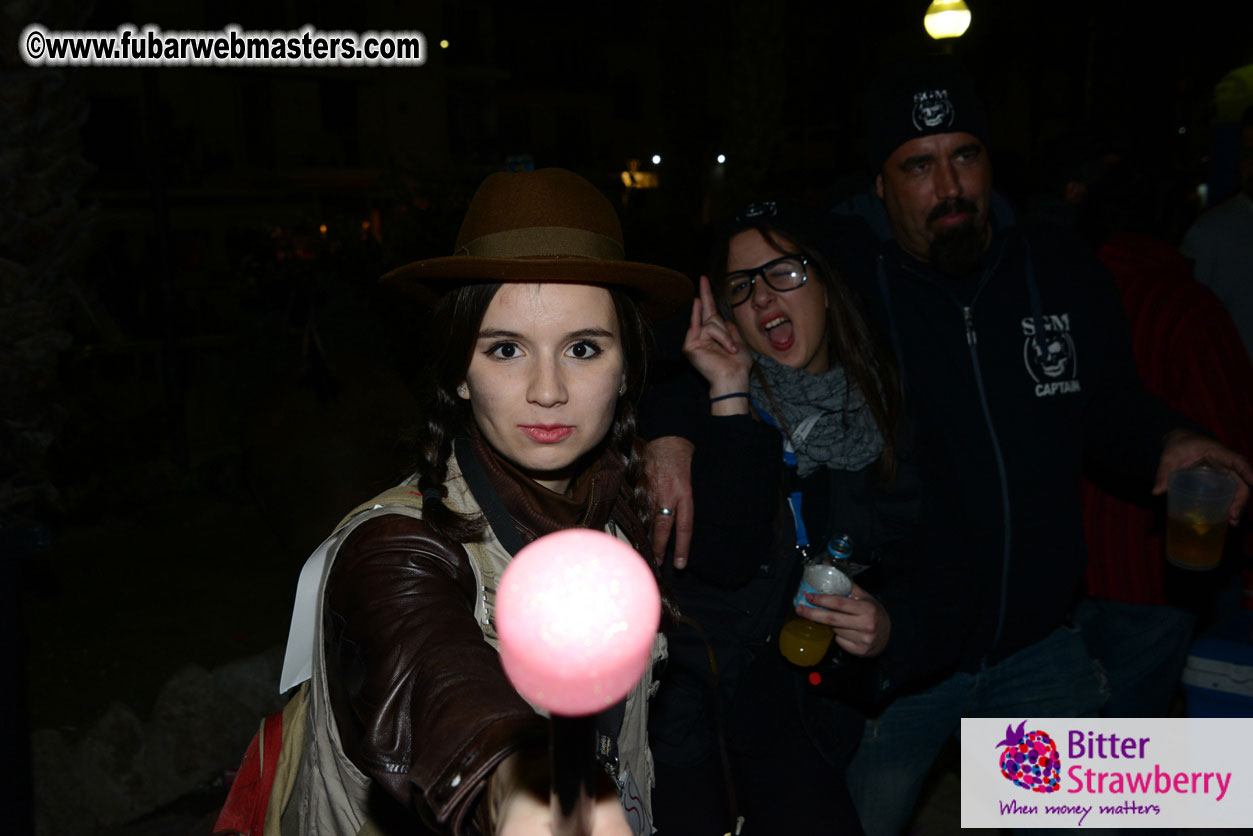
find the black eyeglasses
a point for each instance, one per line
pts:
(781, 275)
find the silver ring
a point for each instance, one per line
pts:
(666, 512)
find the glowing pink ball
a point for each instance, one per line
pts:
(576, 613)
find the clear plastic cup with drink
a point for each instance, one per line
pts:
(1196, 516)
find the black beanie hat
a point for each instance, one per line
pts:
(785, 216)
(921, 98)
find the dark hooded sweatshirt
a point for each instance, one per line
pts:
(1013, 373)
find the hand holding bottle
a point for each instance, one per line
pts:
(861, 624)
(803, 640)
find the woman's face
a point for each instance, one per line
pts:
(544, 376)
(790, 327)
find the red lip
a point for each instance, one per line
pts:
(771, 317)
(546, 433)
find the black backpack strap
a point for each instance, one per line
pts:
(485, 494)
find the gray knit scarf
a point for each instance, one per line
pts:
(825, 415)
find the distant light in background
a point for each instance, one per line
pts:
(947, 19)
(656, 159)
(633, 178)
(1183, 129)
(443, 44)
(722, 158)
(1202, 192)
(322, 229)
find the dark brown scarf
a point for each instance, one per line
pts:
(595, 494)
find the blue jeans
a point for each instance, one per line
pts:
(1052, 678)
(1142, 648)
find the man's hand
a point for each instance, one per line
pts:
(668, 461)
(1184, 448)
(862, 625)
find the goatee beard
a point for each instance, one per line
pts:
(958, 251)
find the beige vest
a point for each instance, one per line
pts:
(327, 795)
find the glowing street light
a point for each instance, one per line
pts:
(947, 19)
(722, 158)
(656, 159)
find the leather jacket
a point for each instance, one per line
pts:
(420, 700)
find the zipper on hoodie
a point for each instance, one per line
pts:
(972, 340)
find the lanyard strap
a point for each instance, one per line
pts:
(794, 497)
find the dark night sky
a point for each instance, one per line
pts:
(779, 87)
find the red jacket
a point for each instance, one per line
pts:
(1189, 353)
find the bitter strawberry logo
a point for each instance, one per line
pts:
(1030, 759)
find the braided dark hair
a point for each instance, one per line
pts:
(455, 325)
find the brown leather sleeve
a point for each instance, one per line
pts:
(420, 698)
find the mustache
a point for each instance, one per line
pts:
(951, 207)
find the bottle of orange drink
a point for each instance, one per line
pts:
(804, 642)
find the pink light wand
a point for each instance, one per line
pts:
(576, 613)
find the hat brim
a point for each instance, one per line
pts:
(660, 291)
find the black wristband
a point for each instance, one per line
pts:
(728, 397)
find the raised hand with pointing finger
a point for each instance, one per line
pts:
(715, 348)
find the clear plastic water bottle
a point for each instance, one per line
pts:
(804, 642)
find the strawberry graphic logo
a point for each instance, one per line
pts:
(1030, 759)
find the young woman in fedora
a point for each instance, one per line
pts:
(537, 358)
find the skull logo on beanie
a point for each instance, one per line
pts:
(932, 109)
(920, 98)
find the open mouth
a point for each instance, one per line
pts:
(779, 332)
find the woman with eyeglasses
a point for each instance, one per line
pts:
(803, 429)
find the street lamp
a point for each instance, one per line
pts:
(947, 19)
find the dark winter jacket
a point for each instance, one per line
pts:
(1012, 373)
(736, 592)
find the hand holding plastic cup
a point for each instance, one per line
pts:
(1196, 516)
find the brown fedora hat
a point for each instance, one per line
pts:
(549, 225)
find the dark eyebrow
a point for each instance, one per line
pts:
(584, 333)
(581, 334)
(968, 147)
(917, 159)
(771, 263)
(498, 333)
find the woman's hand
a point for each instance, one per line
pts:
(527, 815)
(519, 791)
(862, 625)
(715, 348)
